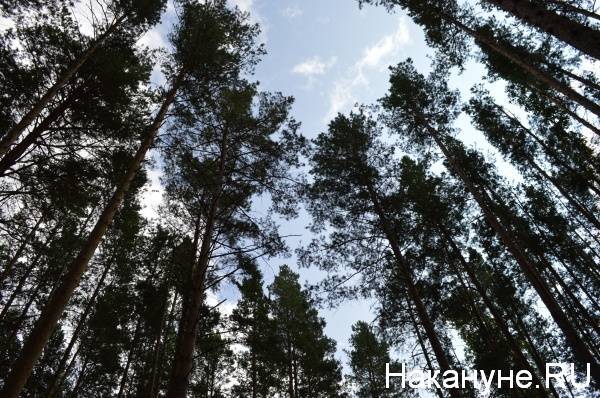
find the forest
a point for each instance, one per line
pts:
(472, 259)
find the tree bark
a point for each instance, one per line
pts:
(578, 35)
(567, 110)
(13, 134)
(580, 350)
(570, 199)
(51, 313)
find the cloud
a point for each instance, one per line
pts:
(313, 66)
(376, 56)
(292, 12)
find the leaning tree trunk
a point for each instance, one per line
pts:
(188, 325)
(422, 314)
(533, 70)
(134, 343)
(15, 153)
(580, 350)
(421, 341)
(576, 10)
(13, 134)
(52, 311)
(13, 260)
(60, 372)
(496, 314)
(578, 35)
(559, 103)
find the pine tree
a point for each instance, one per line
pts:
(256, 331)
(305, 363)
(414, 103)
(368, 356)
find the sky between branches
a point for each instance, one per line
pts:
(330, 55)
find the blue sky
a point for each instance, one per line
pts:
(329, 55)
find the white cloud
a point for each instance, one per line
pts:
(292, 12)
(313, 66)
(378, 56)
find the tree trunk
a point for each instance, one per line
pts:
(533, 70)
(576, 10)
(572, 201)
(35, 342)
(587, 82)
(578, 35)
(550, 152)
(61, 370)
(19, 287)
(578, 346)
(136, 336)
(567, 110)
(496, 314)
(12, 156)
(188, 325)
(75, 392)
(290, 371)
(156, 378)
(151, 379)
(13, 134)
(13, 260)
(422, 314)
(422, 344)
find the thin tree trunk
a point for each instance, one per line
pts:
(550, 152)
(576, 10)
(567, 110)
(557, 254)
(496, 314)
(572, 201)
(422, 344)
(75, 392)
(13, 134)
(156, 381)
(150, 380)
(19, 287)
(290, 371)
(580, 350)
(578, 35)
(60, 370)
(35, 342)
(587, 82)
(69, 366)
(136, 336)
(188, 325)
(422, 314)
(13, 260)
(533, 70)
(12, 156)
(30, 300)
